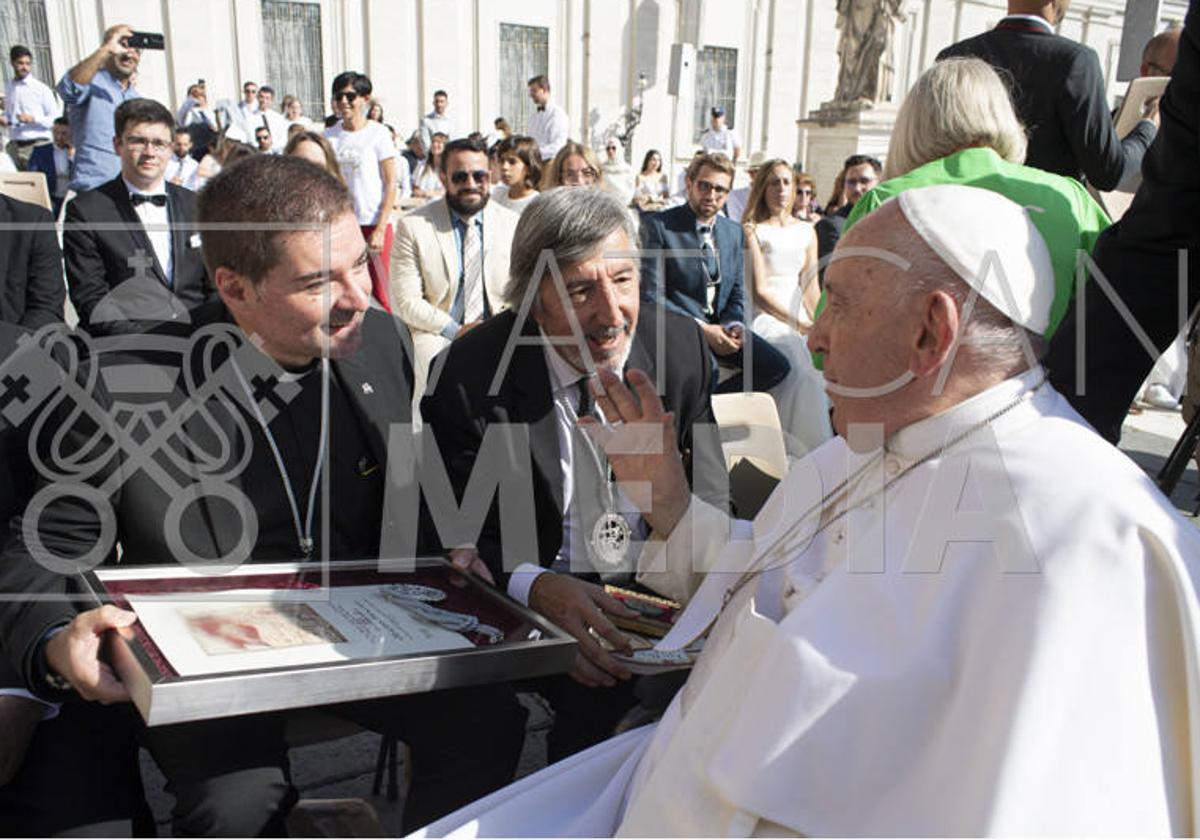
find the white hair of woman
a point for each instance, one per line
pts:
(956, 104)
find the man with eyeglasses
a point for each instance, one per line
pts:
(148, 271)
(693, 264)
(859, 174)
(450, 261)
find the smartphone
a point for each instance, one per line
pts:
(146, 41)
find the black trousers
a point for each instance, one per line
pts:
(1114, 362)
(230, 777)
(80, 777)
(768, 366)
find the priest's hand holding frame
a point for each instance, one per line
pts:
(579, 607)
(639, 440)
(75, 653)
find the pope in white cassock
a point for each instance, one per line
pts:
(966, 615)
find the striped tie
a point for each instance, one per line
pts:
(472, 276)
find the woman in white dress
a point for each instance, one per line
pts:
(652, 190)
(783, 253)
(425, 181)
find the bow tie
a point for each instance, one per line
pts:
(541, 107)
(158, 200)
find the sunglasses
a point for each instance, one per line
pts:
(348, 95)
(462, 176)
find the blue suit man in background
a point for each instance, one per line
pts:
(54, 161)
(708, 286)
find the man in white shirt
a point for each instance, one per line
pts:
(549, 124)
(720, 138)
(246, 112)
(967, 615)
(182, 167)
(29, 108)
(275, 121)
(437, 120)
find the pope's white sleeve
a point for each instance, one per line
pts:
(675, 567)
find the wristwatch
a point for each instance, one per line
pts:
(52, 683)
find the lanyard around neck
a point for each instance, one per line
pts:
(303, 535)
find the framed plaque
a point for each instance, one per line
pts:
(276, 636)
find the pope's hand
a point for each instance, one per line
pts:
(579, 607)
(643, 448)
(74, 654)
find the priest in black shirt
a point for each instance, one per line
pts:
(303, 367)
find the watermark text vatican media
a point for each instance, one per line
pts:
(175, 409)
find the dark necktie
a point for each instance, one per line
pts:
(159, 200)
(585, 405)
(711, 267)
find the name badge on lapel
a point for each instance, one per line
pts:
(194, 240)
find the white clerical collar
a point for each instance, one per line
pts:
(919, 439)
(1038, 19)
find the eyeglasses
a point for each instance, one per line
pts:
(579, 176)
(707, 187)
(865, 181)
(348, 95)
(461, 176)
(806, 191)
(140, 143)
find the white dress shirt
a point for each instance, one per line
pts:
(572, 556)
(156, 221)
(550, 127)
(62, 171)
(724, 141)
(185, 169)
(29, 96)
(433, 123)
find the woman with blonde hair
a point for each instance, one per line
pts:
(958, 126)
(783, 286)
(575, 165)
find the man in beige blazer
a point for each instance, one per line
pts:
(449, 262)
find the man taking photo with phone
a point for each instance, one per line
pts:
(92, 91)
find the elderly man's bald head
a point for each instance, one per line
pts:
(1158, 58)
(897, 314)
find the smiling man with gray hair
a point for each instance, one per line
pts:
(574, 308)
(968, 615)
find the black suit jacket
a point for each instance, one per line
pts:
(1140, 257)
(1058, 90)
(377, 382)
(459, 411)
(98, 260)
(32, 293)
(16, 470)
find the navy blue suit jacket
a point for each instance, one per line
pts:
(683, 279)
(42, 160)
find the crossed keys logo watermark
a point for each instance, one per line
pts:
(101, 410)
